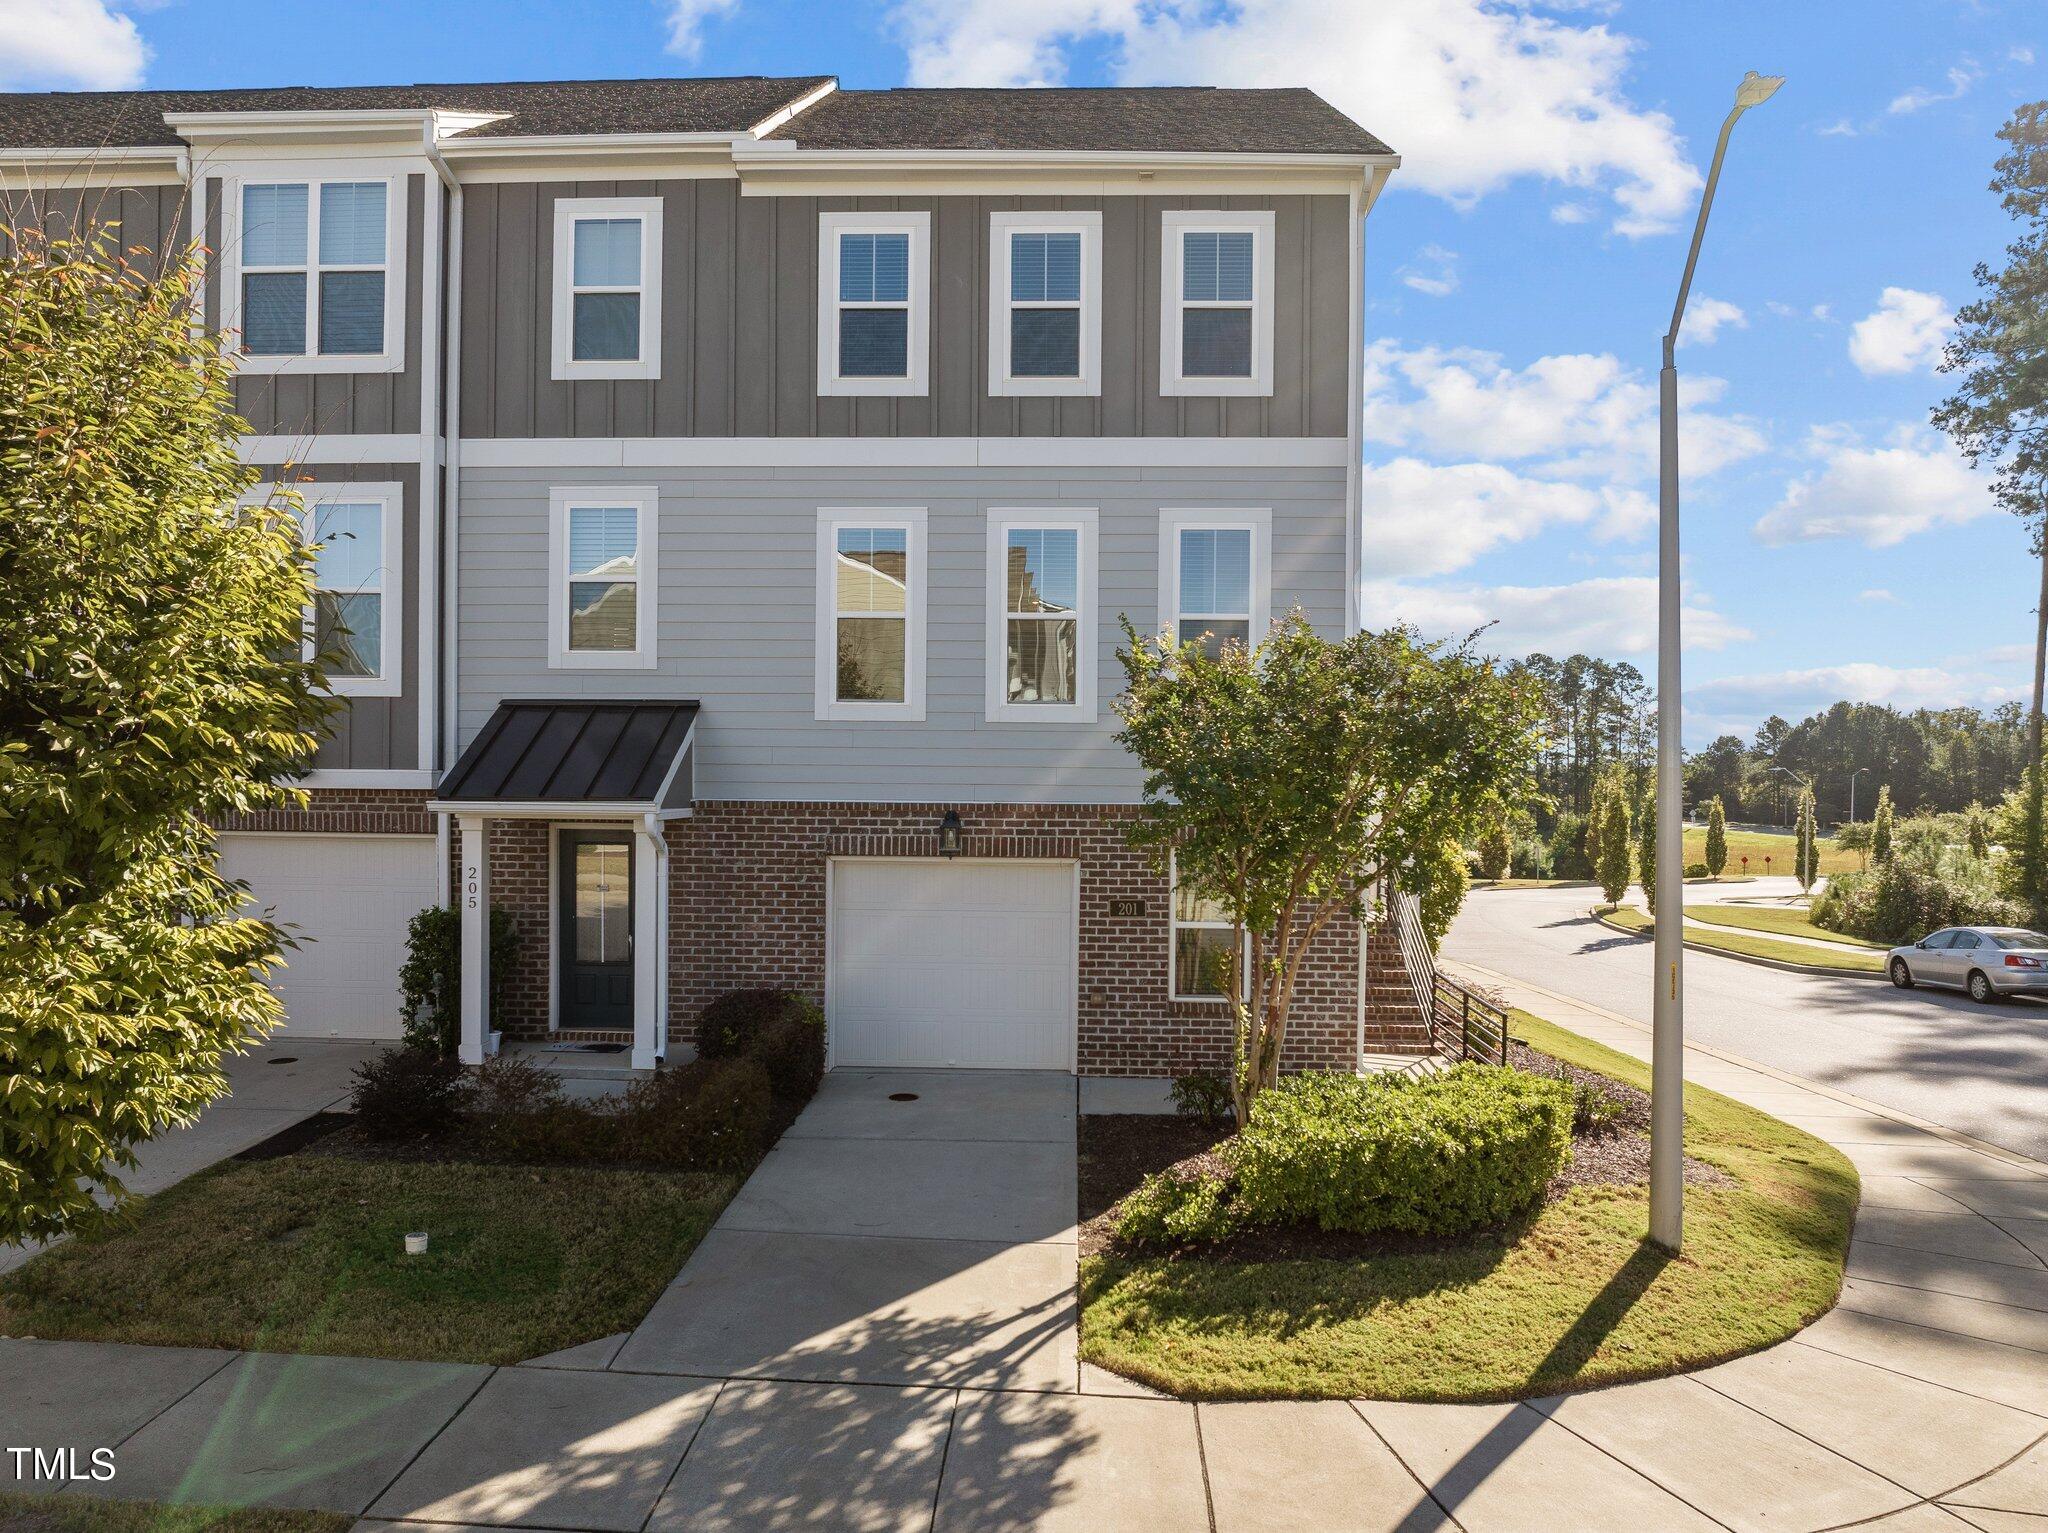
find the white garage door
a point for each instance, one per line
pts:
(952, 964)
(348, 899)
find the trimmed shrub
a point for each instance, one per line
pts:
(1454, 1152)
(407, 1093)
(792, 1050)
(729, 1025)
(711, 1115)
(1697, 870)
(1171, 1208)
(513, 1109)
(1202, 1094)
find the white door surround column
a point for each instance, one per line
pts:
(473, 896)
(650, 943)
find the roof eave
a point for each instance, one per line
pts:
(784, 154)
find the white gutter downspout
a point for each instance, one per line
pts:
(437, 549)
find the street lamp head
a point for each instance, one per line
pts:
(1756, 89)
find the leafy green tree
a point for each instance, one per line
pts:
(1717, 837)
(1806, 844)
(1881, 828)
(1998, 415)
(1977, 829)
(1496, 847)
(1290, 783)
(150, 680)
(1646, 849)
(1613, 869)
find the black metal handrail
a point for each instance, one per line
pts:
(1462, 1023)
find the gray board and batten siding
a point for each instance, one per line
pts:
(736, 622)
(739, 317)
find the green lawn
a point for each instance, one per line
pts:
(1576, 1299)
(1757, 845)
(305, 1253)
(1786, 921)
(1849, 960)
(73, 1513)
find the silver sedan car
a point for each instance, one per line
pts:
(1990, 962)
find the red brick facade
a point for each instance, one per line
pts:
(347, 811)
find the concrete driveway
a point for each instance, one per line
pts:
(273, 1086)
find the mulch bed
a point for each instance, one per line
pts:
(1119, 1150)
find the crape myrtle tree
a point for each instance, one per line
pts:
(1998, 415)
(1288, 782)
(1717, 837)
(151, 679)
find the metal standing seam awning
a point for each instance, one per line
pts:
(580, 758)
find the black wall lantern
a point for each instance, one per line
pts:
(949, 834)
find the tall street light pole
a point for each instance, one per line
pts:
(1852, 792)
(1667, 1050)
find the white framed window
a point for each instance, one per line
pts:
(355, 624)
(1041, 615)
(314, 280)
(607, 287)
(871, 613)
(874, 300)
(603, 578)
(1045, 303)
(1216, 302)
(1200, 944)
(1215, 575)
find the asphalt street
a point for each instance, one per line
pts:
(1982, 1070)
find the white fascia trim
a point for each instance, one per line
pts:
(390, 447)
(328, 120)
(1001, 225)
(918, 225)
(901, 452)
(528, 146)
(803, 103)
(70, 168)
(826, 646)
(1258, 518)
(646, 503)
(999, 709)
(542, 810)
(366, 777)
(394, 175)
(568, 210)
(1175, 222)
(770, 156)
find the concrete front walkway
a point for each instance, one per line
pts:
(873, 1337)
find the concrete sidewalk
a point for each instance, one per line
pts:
(1919, 1404)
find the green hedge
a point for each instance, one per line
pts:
(1470, 1147)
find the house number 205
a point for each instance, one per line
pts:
(469, 886)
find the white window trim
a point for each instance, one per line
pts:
(567, 211)
(390, 499)
(1000, 709)
(646, 501)
(389, 360)
(912, 520)
(1172, 225)
(1258, 519)
(1175, 926)
(1000, 227)
(919, 227)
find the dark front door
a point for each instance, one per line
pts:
(596, 929)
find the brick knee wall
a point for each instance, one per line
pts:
(345, 811)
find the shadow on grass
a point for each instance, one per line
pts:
(1602, 1315)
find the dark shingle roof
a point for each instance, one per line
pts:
(133, 118)
(1172, 118)
(570, 753)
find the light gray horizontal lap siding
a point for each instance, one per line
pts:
(739, 323)
(737, 619)
(308, 404)
(379, 733)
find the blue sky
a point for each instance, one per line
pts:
(1519, 271)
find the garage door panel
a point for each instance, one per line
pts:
(953, 964)
(347, 902)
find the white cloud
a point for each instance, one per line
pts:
(1568, 416)
(1960, 79)
(686, 20)
(1572, 213)
(2020, 54)
(1607, 615)
(1704, 318)
(1475, 94)
(73, 44)
(1878, 495)
(1801, 691)
(1431, 519)
(1876, 594)
(1904, 332)
(1433, 271)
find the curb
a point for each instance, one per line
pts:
(1761, 962)
(1952, 1136)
